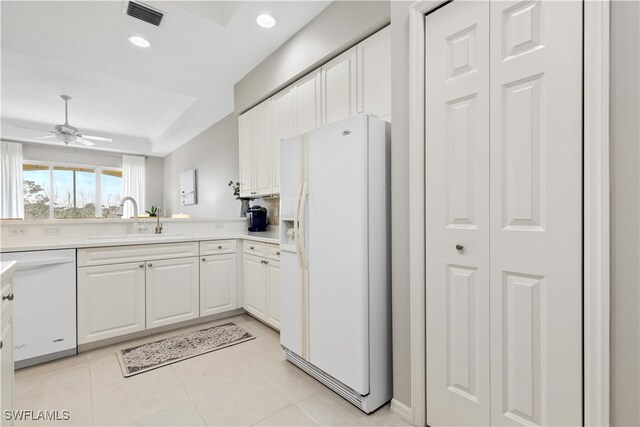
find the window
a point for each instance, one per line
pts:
(70, 192)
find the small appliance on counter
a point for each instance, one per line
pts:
(257, 216)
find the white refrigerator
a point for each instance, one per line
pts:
(335, 257)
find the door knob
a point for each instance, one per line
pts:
(278, 253)
(8, 296)
(0, 345)
(219, 246)
(204, 259)
(459, 247)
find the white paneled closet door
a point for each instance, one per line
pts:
(528, 190)
(457, 164)
(536, 213)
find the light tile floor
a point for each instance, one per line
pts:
(246, 384)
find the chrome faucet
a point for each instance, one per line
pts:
(135, 212)
(158, 225)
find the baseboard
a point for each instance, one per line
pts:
(402, 410)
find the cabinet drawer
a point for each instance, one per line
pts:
(120, 254)
(254, 248)
(273, 252)
(214, 247)
(7, 289)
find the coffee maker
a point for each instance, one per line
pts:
(257, 216)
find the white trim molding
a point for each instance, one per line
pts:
(596, 210)
(596, 213)
(401, 410)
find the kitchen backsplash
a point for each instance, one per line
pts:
(273, 209)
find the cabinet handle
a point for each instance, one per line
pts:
(266, 262)
(251, 247)
(0, 345)
(8, 296)
(141, 265)
(150, 265)
(278, 253)
(204, 259)
(219, 246)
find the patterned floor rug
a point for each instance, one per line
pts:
(145, 357)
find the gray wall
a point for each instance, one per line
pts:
(214, 153)
(625, 214)
(341, 25)
(73, 155)
(400, 200)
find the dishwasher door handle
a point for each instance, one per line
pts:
(26, 265)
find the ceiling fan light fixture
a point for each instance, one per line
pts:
(266, 21)
(139, 41)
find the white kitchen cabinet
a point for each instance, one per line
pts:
(245, 141)
(273, 293)
(262, 283)
(111, 301)
(262, 149)
(339, 87)
(218, 286)
(6, 346)
(172, 291)
(307, 103)
(256, 151)
(254, 282)
(374, 75)
(283, 127)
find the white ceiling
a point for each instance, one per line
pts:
(150, 101)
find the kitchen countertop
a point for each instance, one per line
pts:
(84, 242)
(6, 268)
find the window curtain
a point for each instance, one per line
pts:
(11, 185)
(133, 183)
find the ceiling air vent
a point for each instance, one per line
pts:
(144, 13)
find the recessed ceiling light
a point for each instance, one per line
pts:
(139, 41)
(266, 21)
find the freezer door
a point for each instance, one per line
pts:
(291, 303)
(336, 245)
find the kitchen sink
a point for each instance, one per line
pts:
(136, 236)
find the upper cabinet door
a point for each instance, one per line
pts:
(262, 148)
(283, 127)
(245, 136)
(374, 75)
(306, 103)
(339, 87)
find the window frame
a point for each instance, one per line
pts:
(98, 187)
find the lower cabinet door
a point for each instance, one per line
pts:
(172, 291)
(254, 280)
(273, 294)
(111, 301)
(217, 284)
(6, 359)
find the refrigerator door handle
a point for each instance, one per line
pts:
(296, 225)
(301, 225)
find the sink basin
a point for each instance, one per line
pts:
(135, 236)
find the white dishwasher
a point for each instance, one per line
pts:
(44, 320)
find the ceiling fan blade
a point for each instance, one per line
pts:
(84, 142)
(45, 137)
(98, 138)
(30, 128)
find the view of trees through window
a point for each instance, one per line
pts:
(65, 192)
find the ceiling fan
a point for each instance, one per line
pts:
(67, 133)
